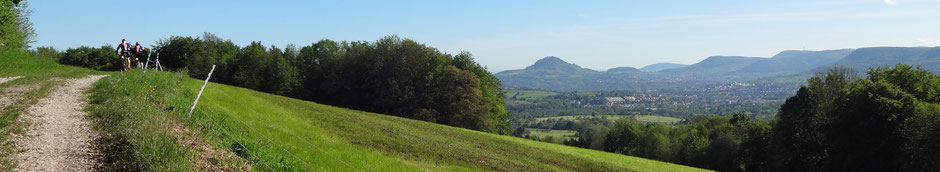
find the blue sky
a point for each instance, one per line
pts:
(506, 35)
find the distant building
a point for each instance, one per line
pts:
(614, 100)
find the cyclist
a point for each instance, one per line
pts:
(124, 51)
(139, 54)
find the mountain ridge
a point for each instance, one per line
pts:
(564, 76)
(661, 66)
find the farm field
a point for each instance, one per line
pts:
(529, 94)
(558, 135)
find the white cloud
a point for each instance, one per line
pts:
(891, 2)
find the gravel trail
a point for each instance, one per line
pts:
(59, 137)
(5, 79)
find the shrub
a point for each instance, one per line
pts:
(102, 58)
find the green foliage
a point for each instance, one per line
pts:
(102, 58)
(717, 142)
(48, 53)
(392, 76)
(249, 66)
(889, 121)
(885, 122)
(13, 22)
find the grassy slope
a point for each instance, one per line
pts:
(280, 134)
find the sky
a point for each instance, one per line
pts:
(504, 35)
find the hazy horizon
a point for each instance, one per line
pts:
(512, 35)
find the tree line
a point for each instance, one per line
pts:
(392, 75)
(887, 121)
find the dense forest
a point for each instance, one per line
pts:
(887, 121)
(391, 76)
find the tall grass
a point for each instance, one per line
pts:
(129, 107)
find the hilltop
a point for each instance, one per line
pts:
(661, 66)
(863, 58)
(556, 74)
(551, 66)
(623, 70)
(714, 66)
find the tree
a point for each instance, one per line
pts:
(868, 127)
(102, 58)
(49, 53)
(490, 86)
(885, 122)
(213, 51)
(24, 25)
(799, 140)
(250, 66)
(177, 52)
(623, 137)
(461, 101)
(12, 25)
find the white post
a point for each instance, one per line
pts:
(146, 64)
(190, 115)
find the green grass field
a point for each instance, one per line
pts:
(582, 117)
(140, 114)
(657, 119)
(640, 118)
(529, 94)
(557, 135)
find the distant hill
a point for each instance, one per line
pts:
(863, 58)
(551, 65)
(795, 61)
(623, 70)
(553, 73)
(714, 66)
(791, 66)
(661, 66)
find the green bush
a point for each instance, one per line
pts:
(102, 58)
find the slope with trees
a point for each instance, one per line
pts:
(392, 75)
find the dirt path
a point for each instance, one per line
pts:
(5, 79)
(11, 94)
(60, 136)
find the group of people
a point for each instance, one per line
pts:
(130, 53)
